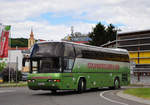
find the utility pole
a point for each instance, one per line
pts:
(17, 69)
(9, 57)
(72, 31)
(118, 30)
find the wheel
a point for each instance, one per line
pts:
(54, 91)
(111, 87)
(116, 83)
(81, 86)
(95, 89)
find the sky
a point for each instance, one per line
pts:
(52, 19)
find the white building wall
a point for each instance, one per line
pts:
(12, 58)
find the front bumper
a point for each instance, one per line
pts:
(44, 86)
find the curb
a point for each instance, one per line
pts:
(11, 86)
(5, 85)
(133, 98)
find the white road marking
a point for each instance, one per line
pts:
(101, 95)
(5, 91)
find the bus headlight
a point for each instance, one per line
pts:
(50, 80)
(31, 80)
(53, 80)
(57, 80)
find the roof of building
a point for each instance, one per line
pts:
(41, 40)
(109, 43)
(134, 32)
(80, 41)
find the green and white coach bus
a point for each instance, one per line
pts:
(69, 66)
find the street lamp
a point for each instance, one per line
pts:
(117, 30)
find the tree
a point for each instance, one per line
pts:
(5, 74)
(101, 34)
(2, 65)
(111, 32)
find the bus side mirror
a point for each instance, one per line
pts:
(23, 62)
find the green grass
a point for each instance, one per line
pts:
(139, 92)
(139, 85)
(12, 84)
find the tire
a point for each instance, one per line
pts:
(53, 91)
(116, 83)
(81, 86)
(95, 89)
(111, 87)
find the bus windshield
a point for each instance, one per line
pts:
(54, 49)
(45, 65)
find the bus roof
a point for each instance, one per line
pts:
(110, 50)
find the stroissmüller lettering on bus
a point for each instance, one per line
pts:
(41, 77)
(103, 66)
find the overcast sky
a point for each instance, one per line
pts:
(52, 19)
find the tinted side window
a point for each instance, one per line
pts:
(94, 54)
(51, 49)
(90, 54)
(115, 57)
(124, 58)
(68, 64)
(78, 50)
(69, 51)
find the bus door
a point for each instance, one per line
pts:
(68, 77)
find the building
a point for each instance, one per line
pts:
(14, 59)
(77, 39)
(110, 44)
(137, 43)
(26, 53)
(31, 40)
(16, 55)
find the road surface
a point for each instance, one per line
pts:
(24, 96)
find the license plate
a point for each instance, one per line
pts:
(41, 84)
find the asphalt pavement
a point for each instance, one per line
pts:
(24, 96)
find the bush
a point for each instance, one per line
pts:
(19, 76)
(5, 75)
(2, 65)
